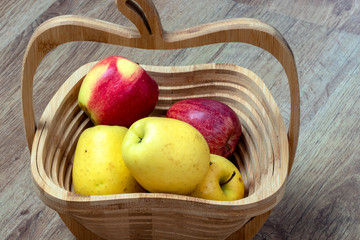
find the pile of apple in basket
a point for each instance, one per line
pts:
(128, 151)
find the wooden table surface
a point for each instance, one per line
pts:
(323, 192)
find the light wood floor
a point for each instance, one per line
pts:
(323, 193)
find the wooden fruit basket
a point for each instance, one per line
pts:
(264, 155)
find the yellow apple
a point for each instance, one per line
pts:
(223, 181)
(166, 155)
(98, 167)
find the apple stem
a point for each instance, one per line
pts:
(140, 139)
(228, 147)
(232, 176)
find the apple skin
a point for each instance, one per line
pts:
(98, 168)
(117, 91)
(217, 122)
(166, 155)
(223, 181)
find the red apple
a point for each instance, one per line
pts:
(117, 91)
(217, 122)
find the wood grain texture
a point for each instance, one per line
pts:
(322, 196)
(342, 15)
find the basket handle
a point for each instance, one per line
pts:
(150, 35)
(143, 14)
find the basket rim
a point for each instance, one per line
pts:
(55, 196)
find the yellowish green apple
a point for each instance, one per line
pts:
(166, 155)
(98, 168)
(223, 181)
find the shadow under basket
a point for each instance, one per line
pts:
(264, 155)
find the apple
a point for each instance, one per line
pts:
(166, 155)
(98, 168)
(117, 91)
(223, 181)
(218, 123)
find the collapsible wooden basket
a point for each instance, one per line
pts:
(264, 155)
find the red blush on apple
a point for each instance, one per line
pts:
(216, 121)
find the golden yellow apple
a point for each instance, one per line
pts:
(98, 167)
(166, 155)
(223, 181)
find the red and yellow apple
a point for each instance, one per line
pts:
(117, 91)
(223, 181)
(217, 122)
